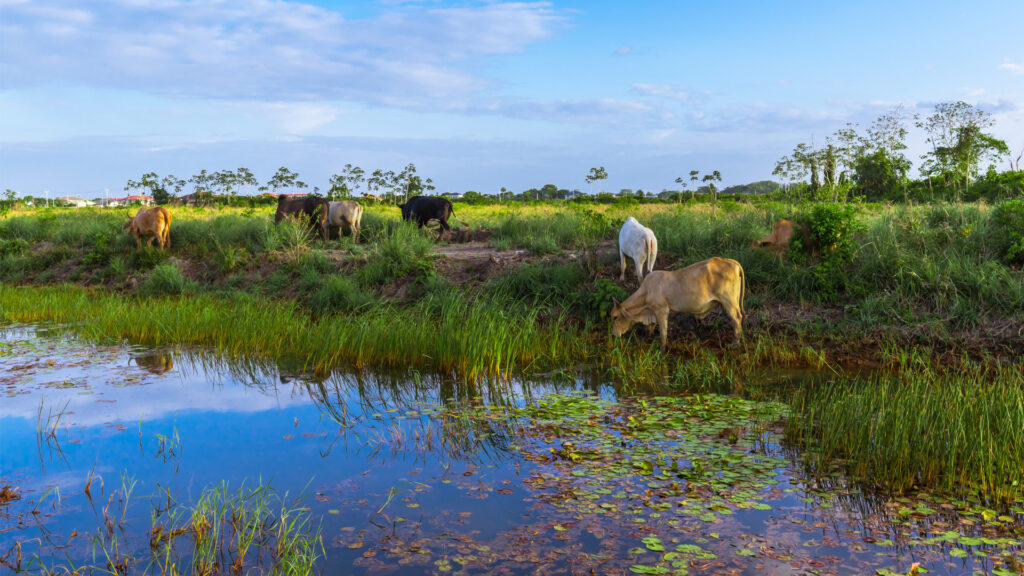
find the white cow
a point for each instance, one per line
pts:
(639, 243)
(345, 213)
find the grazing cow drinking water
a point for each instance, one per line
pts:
(345, 213)
(314, 208)
(423, 209)
(639, 243)
(152, 223)
(697, 289)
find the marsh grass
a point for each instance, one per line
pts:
(472, 338)
(958, 430)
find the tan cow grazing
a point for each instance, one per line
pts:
(697, 289)
(778, 240)
(152, 223)
(345, 213)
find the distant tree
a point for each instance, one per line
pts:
(7, 204)
(170, 188)
(595, 175)
(284, 179)
(151, 185)
(877, 174)
(244, 177)
(682, 187)
(959, 144)
(715, 176)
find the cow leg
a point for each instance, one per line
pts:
(622, 266)
(639, 270)
(663, 328)
(737, 324)
(355, 233)
(138, 242)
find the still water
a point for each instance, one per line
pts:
(418, 474)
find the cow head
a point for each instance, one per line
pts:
(405, 210)
(621, 320)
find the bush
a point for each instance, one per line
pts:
(147, 258)
(558, 283)
(599, 301)
(832, 227)
(165, 279)
(339, 294)
(1007, 231)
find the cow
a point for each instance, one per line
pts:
(639, 243)
(778, 240)
(697, 289)
(345, 213)
(152, 223)
(423, 209)
(314, 208)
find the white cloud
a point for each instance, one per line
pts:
(1013, 67)
(670, 92)
(262, 49)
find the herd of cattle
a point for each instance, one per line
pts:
(698, 289)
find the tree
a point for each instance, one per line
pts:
(245, 177)
(151, 185)
(595, 175)
(169, 183)
(284, 178)
(346, 184)
(711, 179)
(879, 173)
(959, 144)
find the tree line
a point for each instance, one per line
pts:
(873, 164)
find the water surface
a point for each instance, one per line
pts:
(413, 474)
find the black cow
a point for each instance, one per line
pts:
(315, 208)
(423, 209)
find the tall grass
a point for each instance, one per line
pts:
(958, 430)
(471, 338)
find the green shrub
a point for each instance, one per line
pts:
(1007, 231)
(599, 301)
(832, 227)
(339, 294)
(147, 258)
(13, 246)
(558, 283)
(165, 279)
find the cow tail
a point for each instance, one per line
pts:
(652, 253)
(743, 288)
(167, 230)
(451, 207)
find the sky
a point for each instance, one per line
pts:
(478, 95)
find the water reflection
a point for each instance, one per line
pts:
(410, 461)
(155, 362)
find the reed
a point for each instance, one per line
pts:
(470, 338)
(956, 429)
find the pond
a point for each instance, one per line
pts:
(140, 460)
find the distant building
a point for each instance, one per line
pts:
(138, 199)
(74, 201)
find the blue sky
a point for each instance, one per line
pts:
(478, 95)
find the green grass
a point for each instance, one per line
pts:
(955, 430)
(474, 339)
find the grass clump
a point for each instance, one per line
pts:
(339, 294)
(956, 430)
(165, 280)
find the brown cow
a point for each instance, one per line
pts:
(153, 223)
(697, 289)
(778, 240)
(314, 208)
